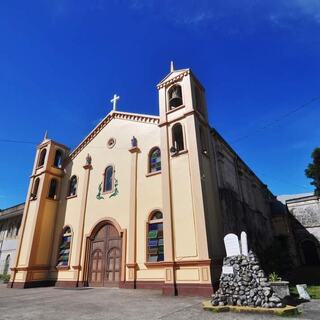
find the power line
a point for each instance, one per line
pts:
(282, 180)
(278, 119)
(17, 141)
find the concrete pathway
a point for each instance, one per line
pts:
(115, 304)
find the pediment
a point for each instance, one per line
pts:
(172, 76)
(136, 117)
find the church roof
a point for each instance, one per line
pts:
(110, 116)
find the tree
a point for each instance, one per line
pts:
(313, 170)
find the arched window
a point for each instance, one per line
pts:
(34, 192)
(64, 249)
(42, 157)
(6, 264)
(155, 250)
(58, 159)
(155, 160)
(73, 186)
(177, 137)
(175, 97)
(10, 230)
(53, 189)
(108, 179)
(18, 227)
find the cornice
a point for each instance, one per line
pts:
(113, 115)
(175, 79)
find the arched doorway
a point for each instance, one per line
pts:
(310, 253)
(105, 256)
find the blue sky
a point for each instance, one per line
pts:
(62, 60)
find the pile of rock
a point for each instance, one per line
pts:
(244, 283)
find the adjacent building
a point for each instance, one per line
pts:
(10, 221)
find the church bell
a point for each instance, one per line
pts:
(175, 99)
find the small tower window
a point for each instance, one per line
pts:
(203, 141)
(64, 249)
(175, 97)
(53, 189)
(73, 186)
(155, 248)
(42, 157)
(58, 159)
(155, 160)
(177, 137)
(108, 179)
(34, 192)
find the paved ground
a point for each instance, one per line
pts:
(115, 304)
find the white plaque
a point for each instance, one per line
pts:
(231, 243)
(227, 270)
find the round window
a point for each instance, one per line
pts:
(111, 143)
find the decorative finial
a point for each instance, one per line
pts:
(171, 66)
(46, 135)
(134, 142)
(88, 160)
(114, 101)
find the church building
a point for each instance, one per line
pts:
(142, 202)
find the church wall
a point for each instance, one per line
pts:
(183, 210)
(45, 233)
(149, 196)
(245, 200)
(213, 210)
(28, 233)
(68, 211)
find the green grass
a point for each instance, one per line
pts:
(314, 292)
(5, 277)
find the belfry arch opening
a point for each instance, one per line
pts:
(175, 97)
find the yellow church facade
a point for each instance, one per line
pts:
(137, 204)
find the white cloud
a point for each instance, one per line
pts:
(309, 7)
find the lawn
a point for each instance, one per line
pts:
(314, 291)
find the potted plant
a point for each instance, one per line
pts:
(279, 287)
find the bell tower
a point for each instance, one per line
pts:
(34, 248)
(188, 177)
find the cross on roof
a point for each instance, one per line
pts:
(114, 101)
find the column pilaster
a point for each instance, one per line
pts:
(78, 263)
(132, 258)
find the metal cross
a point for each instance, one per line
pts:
(114, 101)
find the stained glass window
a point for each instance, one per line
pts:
(108, 179)
(155, 238)
(73, 186)
(155, 160)
(64, 249)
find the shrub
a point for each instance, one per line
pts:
(5, 277)
(273, 277)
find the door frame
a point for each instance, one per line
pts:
(90, 237)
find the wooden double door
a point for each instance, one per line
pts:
(105, 258)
